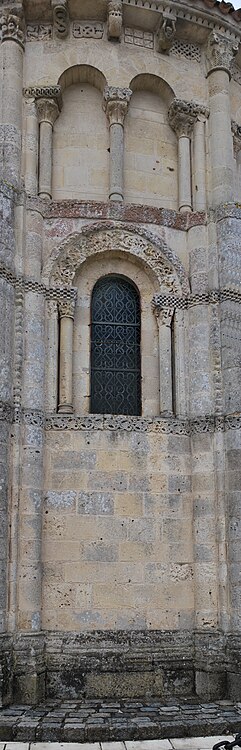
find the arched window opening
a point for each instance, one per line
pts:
(115, 347)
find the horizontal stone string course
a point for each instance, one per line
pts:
(68, 294)
(12, 413)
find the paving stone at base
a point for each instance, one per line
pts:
(93, 721)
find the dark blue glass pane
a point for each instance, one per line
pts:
(115, 348)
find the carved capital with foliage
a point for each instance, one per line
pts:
(114, 19)
(163, 315)
(220, 52)
(66, 308)
(116, 101)
(47, 110)
(12, 27)
(182, 116)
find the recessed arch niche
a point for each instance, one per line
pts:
(80, 139)
(150, 144)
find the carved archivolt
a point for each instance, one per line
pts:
(63, 264)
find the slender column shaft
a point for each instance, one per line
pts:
(184, 174)
(47, 113)
(180, 358)
(52, 356)
(116, 104)
(66, 310)
(199, 165)
(116, 162)
(45, 161)
(164, 318)
(31, 148)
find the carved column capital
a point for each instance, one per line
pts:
(60, 17)
(163, 315)
(47, 110)
(182, 116)
(220, 52)
(12, 27)
(116, 102)
(114, 18)
(236, 131)
(66, 308)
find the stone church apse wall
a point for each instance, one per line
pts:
(120, 400)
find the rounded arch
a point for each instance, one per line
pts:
(102, 237)
(82, 74)
(154, 84)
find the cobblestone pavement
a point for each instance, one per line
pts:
(93, 721)
(194, 743)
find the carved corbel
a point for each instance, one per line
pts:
(167, 31)
(60, 18)
(12, 27)
(220, 52)
(114, 19)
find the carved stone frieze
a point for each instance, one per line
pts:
(236, 131)
(182, 116)
(116, 102)
(88, 30)
(60, 17)
(114, 19)
(52, 93)
(152, 251)
(47, 110)
(12, 27)
(220, 52)
(166, 35)
(38, 31)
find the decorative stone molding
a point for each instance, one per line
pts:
(220, 52)
(182, 116)
(114, 19)
(47, 110)
(12, 27)
(236, 131)
(60, 17)
(166, 35)
(38, 31)
(116, 102)
(65, 261)
(139, 38)
(88, 30)
(44, 92)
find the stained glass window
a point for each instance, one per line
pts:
(115, 347)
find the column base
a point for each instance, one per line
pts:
(65, 409)
(116, 197)
(45, 196)
(182, 209)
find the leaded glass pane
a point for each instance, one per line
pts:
(115, 348)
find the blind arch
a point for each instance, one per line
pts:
(115, 347)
